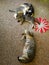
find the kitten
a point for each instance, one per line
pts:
(29, 48)
(26, 9)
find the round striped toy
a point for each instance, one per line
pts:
(44, 25)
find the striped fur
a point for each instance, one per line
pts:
(29, 49)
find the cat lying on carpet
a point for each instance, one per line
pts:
(25, 13)
(29, 48)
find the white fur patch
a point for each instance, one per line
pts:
(22, 58)
(15, 15)
(25, 8)
(25, 53)
(23, 5)
(25, 31)
(29, 10)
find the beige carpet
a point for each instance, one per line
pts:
(11, 45)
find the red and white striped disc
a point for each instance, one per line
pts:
(43, 27)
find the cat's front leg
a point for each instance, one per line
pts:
(22, 19)
(23, 37)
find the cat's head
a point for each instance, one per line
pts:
(24, 9)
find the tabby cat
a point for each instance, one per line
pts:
(29, 48)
